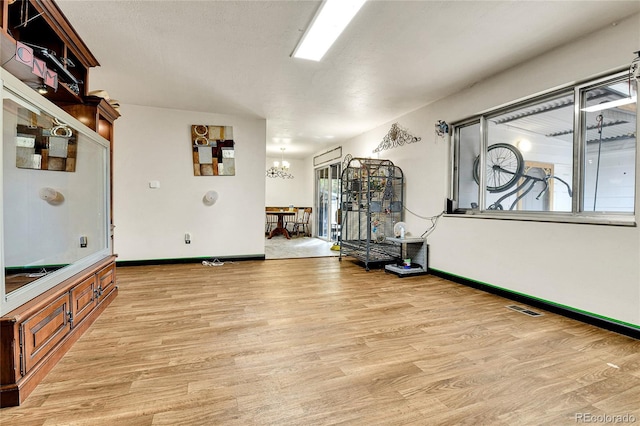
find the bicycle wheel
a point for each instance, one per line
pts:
(504, 167)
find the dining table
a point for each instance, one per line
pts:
(280, 229)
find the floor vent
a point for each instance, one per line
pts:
(524, 310)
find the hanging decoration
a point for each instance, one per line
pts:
(442, 128)
(280, 169)
(396, 137)
(274, 172)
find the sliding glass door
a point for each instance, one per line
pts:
(327, 195)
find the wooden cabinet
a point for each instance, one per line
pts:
(96, 113)
(84, 297)
(41, 24)
(44, 316)
(36, 335)
(41, 332)
(106, 280)
(45, 320)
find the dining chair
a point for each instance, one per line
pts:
(270, 223)
(289, 221)
(302, 223)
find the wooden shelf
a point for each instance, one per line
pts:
(48, 28)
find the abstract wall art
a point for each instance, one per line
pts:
(213, 150)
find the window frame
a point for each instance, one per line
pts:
(577, 213)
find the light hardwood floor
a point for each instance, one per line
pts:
(318, 342)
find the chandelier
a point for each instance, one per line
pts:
(280, 169)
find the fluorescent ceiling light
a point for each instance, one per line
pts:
(332, 18)
(611, 104)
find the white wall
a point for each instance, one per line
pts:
(593, 268)
(284, 192)
(153, 144)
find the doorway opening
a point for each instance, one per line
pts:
(327, 196)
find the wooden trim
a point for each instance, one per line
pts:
(104, 108)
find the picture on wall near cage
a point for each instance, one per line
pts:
(213, 150)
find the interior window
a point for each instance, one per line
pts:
(571, 151)
(529, 157)
(468, 149)
(609, 141)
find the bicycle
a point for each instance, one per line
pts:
(504, 169)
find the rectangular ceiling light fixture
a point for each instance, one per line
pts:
(332, 18)
(611, 104)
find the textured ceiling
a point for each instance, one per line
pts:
(233, 57)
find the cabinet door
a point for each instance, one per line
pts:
(107, 279)
(44, 330)
(83, 299)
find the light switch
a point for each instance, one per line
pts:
(154, 184)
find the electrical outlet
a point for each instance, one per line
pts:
(187, 238)
(83, 242)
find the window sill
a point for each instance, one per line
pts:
(604, 219)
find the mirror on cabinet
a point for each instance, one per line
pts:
(45, 143)
(55, 197)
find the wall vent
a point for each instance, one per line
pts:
(524, 310)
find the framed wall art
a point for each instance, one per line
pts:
(213, 150)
